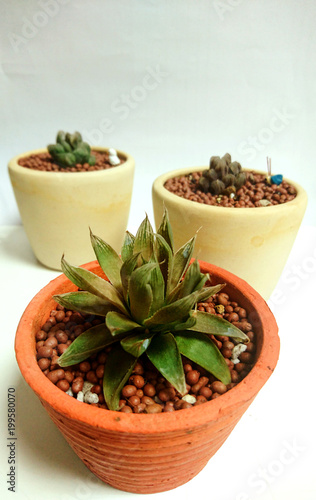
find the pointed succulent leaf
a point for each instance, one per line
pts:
(177, 325)
(201, 283)
(108, 259)
(140, 292)
(180, 309)
(177, 311)
(152, 260)
(193, 280)
(214, 325)
(117, 323)
(136, 344)
(157, 285)
(128, 246)
(175, 294)
(144, 239)
(164, 354)
(165, 230)
(200, 349)
(126, 270)
(92, 283)
(118, 367)
(207, 292)
(181, 261)
(89, 342)
(84, 302)
(165, 259)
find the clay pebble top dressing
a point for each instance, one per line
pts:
(257, 192)
(146, 391)
(44, 162)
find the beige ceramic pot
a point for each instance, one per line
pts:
(253, 243)
(57, 209)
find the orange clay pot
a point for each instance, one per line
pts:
(148, 453)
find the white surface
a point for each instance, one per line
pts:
(172, 83)
(269, 456)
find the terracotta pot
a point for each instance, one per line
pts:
(253, 243)
(148, 453)
(57, 208)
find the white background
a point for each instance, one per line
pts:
(232, 76)
(172, 83)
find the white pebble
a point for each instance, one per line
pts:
(238, 349)
(189, 398)
(69, 392)
(265, 203)
(91, 397)
(87, 386)
(114, 160)
(80, 396)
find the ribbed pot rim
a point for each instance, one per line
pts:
(15, 167)
(196, 416)
(158, 186)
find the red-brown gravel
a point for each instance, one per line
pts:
(45, 163)
(255, 193)
(146, 391)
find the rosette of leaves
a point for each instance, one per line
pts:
(223, 176)
(70, 150)
(149, 309)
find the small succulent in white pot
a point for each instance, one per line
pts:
(57, 207)
(253, 243)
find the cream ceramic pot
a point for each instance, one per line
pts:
(253, 243)
(57, 208)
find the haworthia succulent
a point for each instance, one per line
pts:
(149, 306)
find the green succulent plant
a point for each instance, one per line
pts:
(70, 149)
(149, 305)
(223, 176)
